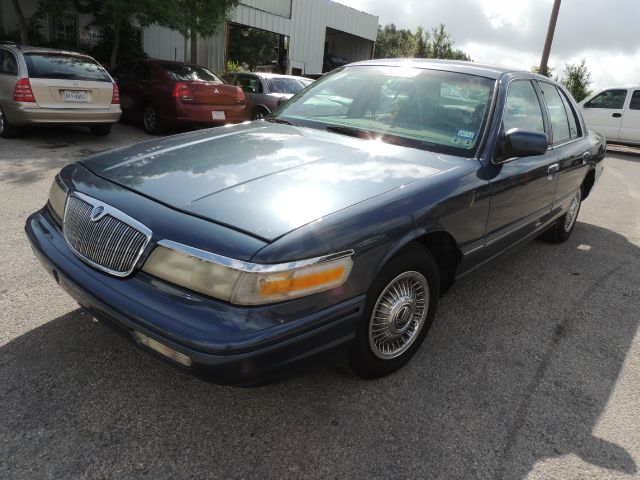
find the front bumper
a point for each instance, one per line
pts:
(204, 329)
(20, 114)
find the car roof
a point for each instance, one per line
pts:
(33, 49)
(481, 69)
(618, 88)
(271, 75)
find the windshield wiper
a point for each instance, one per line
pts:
(351, 131)
(278, 120)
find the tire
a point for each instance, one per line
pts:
(372, 355)
(100, 130)
(259, 113)
(561, 229)
(151, 121)
(7, 130)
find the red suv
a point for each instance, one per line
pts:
(165, 94)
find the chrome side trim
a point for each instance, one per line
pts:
(534, 217)
(250, 267)
(117, 214)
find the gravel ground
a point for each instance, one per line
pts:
(532, 368)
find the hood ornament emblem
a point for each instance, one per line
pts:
(216, 91)
(97, 213)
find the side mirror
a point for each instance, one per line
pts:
(522, 143)
(281, 100)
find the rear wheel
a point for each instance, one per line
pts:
(151, 120)
(400, 308)
(259, 114)
(7, 130)
(100, 130)
(561, 230)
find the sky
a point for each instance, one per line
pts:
(606, 33)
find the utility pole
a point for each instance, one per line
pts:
(547, 44)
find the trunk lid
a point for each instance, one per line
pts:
(211, 93)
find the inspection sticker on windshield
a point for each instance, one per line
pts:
(466, 134)
(464, 137)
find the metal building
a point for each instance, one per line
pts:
(312, 28)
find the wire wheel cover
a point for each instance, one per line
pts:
(398, 316)
(572, 213)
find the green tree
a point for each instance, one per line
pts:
(577, 78)
(257, 48)
(442, 46)
(548, 73)
(422, 43)
(193, 18)
(394, 43)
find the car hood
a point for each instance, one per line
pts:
(262, 178)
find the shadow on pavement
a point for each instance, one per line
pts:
(518, 367)
(30, 157)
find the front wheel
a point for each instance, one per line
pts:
(400, 308)
(561, 230)
(7, 130)
(259, 114)
(151, 121)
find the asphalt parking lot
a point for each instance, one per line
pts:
(532, 368)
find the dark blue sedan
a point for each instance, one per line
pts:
(331, 227)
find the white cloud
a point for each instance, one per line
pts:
(508, 12)
(512, 32)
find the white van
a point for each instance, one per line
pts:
(614, 113)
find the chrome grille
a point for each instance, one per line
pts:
(103, 236)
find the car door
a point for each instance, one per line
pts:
(249, 85)
(603, 112)
(568, 141)
(630, 127)
(522, 189)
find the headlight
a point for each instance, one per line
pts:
(58, 197)
(244, 283)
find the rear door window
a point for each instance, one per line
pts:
(8, 63)
(574, 128)
(610, 99)
(67, 67)
(635, 101)
(557, 113)
(249, 83)
(141, 71)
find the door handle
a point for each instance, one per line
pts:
(553, 169)
(616, 115)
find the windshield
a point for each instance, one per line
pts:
(430, 109)
(189, 73)
(284, 85)
(71, 67)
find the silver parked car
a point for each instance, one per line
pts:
(265, 91)
(46, 86)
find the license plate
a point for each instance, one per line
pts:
(75, 96)
(218, 115)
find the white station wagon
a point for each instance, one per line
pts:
(614, 113)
